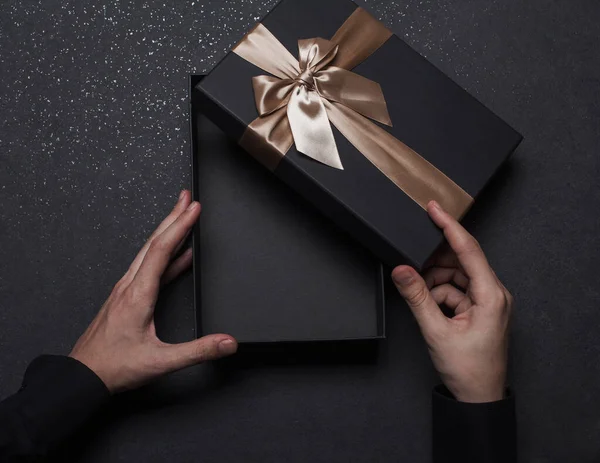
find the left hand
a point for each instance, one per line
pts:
(121, 345)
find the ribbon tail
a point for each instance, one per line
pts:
(354, 91)
(359, 36)
(311, 129)
(413, 174)
(261, 48)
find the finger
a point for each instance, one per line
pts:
(182, 242)
(467, 249)
(440, 275)
(211, 347)
(451, 297)
(177, 267)
(162, 249)
(181, 205)
(414, 290)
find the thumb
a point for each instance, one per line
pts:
(414, 290)
(211, 347)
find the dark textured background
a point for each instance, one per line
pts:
(93, 150)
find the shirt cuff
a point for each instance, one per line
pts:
(473, 432)
(59, 394)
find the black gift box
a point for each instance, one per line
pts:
(267, 267)
(430, 114)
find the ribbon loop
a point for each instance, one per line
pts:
(316, 53)
(271, 93)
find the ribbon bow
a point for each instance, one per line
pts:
(303, 89)
(300, 100)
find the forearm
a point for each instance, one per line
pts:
(59, 394)
(473, 432)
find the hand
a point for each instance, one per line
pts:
(121, 345)
(469, 350)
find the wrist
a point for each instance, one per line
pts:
(484, 395)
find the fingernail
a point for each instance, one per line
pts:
(435, 205)
(193, 206)
(403, 277)
(181, 195)
(227, 347)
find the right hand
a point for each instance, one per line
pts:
(469, 350)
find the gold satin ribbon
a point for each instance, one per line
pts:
(301, 99)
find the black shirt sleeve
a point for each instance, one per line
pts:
(58, 395)
(469, 433)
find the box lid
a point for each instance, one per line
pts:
(430, 113)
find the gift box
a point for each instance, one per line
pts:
(358, 123)
(268, 268)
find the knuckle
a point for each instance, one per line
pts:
(118, 287)
(418, 295)
(509, 300)
(153, 235)
(470, 245)
(499, 301)
(114, 315)
(171, 216)
(202, 351)
(134, 294)
(158, 244)
(175, 212)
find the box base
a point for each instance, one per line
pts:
(267, 267)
